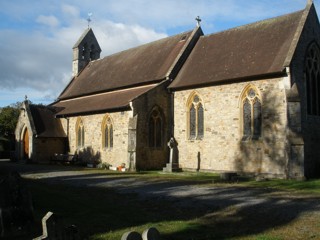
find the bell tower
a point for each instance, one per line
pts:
(85, 50)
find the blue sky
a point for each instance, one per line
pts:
(37, 36)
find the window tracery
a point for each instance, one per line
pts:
(195, 117)
(155, 128)
(251, 114)
(80, 133)
(107, 132)
(313, 80)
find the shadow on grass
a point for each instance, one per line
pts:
(105, 206)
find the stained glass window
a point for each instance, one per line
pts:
(155, 129)
(257, 118)
(106, 136)
(158, 137)
(313, 80)
(200, 121)
(79, 137)
(151, 132)
(192, 122)
(247, 118)
(196, 118)
(251, 115)
(111, 136)
(80, 134)
(107, 132)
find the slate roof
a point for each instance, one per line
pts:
(259, 49)
(45, 123)
(111, 101)
(141, 65)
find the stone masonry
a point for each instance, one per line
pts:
(222, 148)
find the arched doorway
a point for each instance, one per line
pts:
(25, 144)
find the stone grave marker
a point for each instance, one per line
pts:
(151, 234)
(131, 236)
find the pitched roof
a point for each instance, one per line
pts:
(252, 50)
(145, 64)
(45, 123)
(111, 101)
(86, 33)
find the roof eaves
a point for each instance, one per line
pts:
(30, 117)
(297, 34)
(281, 73)
(111, 90)
(80, 113)
(81, 37)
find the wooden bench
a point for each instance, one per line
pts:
(64, 158)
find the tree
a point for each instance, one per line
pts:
(8, 119)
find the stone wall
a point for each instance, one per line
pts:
(309, 124)
(222, 148)
(93, 149)
(25, 123)
(152, 158)
(45, 148)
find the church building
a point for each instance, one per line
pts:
(244, 100)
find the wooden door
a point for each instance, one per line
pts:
(26, 144)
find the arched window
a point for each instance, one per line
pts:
(107, 132)
(80, 133)
(313, 80)
(155, 128)
(251, 113)
(195, 117)
(84, 51)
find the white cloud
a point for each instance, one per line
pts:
(114, 37)
(42, 63)
(38, 60)
(50, 21)
(70, 10)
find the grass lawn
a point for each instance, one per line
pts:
(104, 214)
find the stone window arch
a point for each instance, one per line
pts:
(84, 51)
(155, 125)
(80, 133)
(195, 116)
(312, 73)
(251, 113)
(107, 132)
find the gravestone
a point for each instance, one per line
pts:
(54, 229)
(151, 234)
(173, 165)
(131, 236)
(148, 234)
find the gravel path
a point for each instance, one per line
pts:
(229, 206)
(182, 194)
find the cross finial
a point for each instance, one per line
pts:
(89, 19)
(198, 19)
(25, 97)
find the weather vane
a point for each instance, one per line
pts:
(89, 19)
(198, 19)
